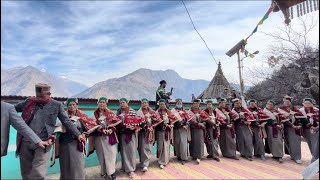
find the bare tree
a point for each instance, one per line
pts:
(294, 65)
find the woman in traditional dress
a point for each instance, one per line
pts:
(198, 130)
(243, 129)
(181, 132)
(274, 141)
(147, 133)
(310, 125)
(213, 129)
(292, 129)
(164, 133)
(128, 136)
(258, 128)
(70, 151)
(226, 139)
(104, 141)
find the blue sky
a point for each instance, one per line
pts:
(89, 42)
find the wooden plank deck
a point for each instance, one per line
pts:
(210, 169)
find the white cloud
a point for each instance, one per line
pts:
(100, 40)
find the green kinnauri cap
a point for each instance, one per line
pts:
(123, 99)
(271, 102)
(308, 99)
(162, 101)
(145, 99)
(71, 100)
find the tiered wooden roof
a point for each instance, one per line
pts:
(216, 86)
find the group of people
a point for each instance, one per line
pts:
(252, 132)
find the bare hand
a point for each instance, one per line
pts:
(230, 126)
(43, 144)
(296, 127)
(85, 134)
(49, 141)
(202, 126)
(137, 130)
(105, 131)
(247, 122)
(185, 127)
(82, 138)
(109, 131)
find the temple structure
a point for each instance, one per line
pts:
(216, 86)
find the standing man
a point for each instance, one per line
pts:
(234, 94)
(9, 116)
(40, 113)
(258, 126)
(162, 94)
(274, 141)
(292, 129)
(226, 95)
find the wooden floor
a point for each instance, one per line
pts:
(210, 169)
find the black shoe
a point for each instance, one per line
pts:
(209, 157)
(103, 175)
(179, 158)
(113, 177)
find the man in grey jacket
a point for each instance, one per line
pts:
(40, 113)
(9, 116)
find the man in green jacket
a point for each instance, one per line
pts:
(162, 94)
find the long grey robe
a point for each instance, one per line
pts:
(196, 146)
(258, 144)
(107, 154)
(213, 147)
(181, 143)
(71, 161)
(181, 138)
(197, 143)
(292, 141)
(244, 139)
(213, 132)
(275, 144)
(226, 141)
(144, 149)
(311, 138)
(128, 153)
(316, 149)
(163, 148)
